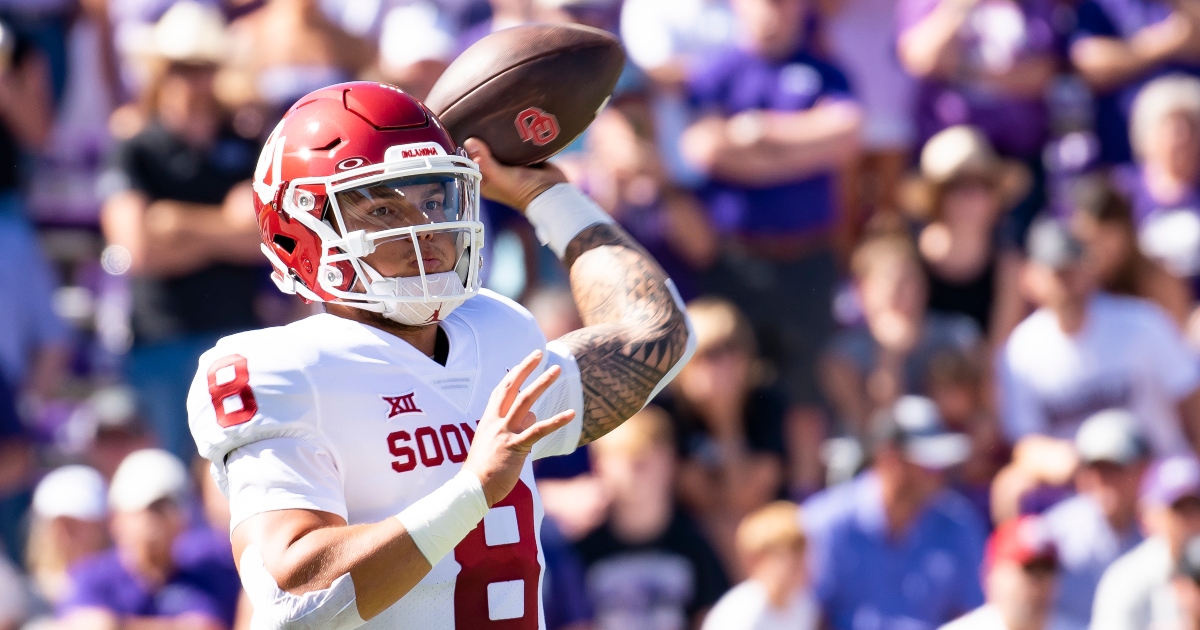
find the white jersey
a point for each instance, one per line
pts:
(748, 607)
(1129, 354)
(332, 415)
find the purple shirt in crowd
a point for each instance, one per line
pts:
(733, 80)
(1121, 18)
(205, 582)
(998, 33)
(1167, 230)
(1130, 180)
(866, 579)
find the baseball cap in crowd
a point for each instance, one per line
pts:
(1050, 243)
(71, 491)
(914, 425)
(1025, 540)
(1113, 436)
(1171, 479)
(145, 477)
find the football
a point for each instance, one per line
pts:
(530, 90)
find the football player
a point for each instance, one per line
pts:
(377, 456)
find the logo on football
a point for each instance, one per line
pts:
(536, 126)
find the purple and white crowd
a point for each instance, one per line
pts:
(942, 258)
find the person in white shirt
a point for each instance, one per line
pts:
(776, 596)
(1135, 591)
(1021, 572)
(664, 39)
(1100, 523)
(663, 36)
(1185, 586)
(1085, 351)
(14, 603)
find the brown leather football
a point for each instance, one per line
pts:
(528, 91)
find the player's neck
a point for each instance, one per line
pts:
(423, 338)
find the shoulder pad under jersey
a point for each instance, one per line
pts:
(252, 386)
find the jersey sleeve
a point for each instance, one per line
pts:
(249, 389)
(566, 393)
(283, 473)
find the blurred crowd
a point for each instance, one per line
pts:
(942, 258)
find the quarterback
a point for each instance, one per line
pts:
(377, 456)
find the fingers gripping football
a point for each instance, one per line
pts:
(509, 429)
(513, 186)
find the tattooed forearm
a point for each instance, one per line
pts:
(634, 334)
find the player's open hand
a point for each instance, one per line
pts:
(509, 429)
(513, 186)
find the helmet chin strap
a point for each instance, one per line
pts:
(447, 285)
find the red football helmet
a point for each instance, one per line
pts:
(364, 199)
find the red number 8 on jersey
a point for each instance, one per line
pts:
(507, 571)
(229, 377)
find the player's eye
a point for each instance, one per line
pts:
(379, 212)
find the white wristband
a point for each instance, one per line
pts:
(561, 213)
(441, 519)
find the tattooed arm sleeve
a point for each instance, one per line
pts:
(635, 334)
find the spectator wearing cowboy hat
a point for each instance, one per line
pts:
(961, 194)
(178, 218)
